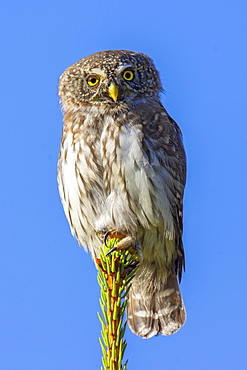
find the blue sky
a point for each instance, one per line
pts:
(48, 289)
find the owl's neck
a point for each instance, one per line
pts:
(114, 109)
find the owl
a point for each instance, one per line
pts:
(122, 167)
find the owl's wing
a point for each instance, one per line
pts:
(163, 139)
(155, 303)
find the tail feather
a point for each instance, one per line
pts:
(155, 304)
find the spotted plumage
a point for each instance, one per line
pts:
(122, 166)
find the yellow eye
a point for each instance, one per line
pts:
(93, 80)
(128, 75)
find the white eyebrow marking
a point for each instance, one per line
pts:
(98, 71)
(121, 68)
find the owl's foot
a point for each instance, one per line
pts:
(106, 234)
(125, 242)
(111, 234)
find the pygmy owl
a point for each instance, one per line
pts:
(122, 166)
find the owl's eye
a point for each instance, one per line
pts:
(93, 80)
(128, 75)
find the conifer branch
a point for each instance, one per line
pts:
(115, 272)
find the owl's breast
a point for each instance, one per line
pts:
(137, 180)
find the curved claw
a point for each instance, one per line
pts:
(125, 243)
(103, 234)
(112, 250)
(106, 236)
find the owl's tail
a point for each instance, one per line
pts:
(155, 303)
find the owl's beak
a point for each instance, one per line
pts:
(113, 91)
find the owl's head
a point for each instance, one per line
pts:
(110, 77)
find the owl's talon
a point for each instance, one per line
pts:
(103, 235)
(113, 249)
(106, 236)
(125, 243)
